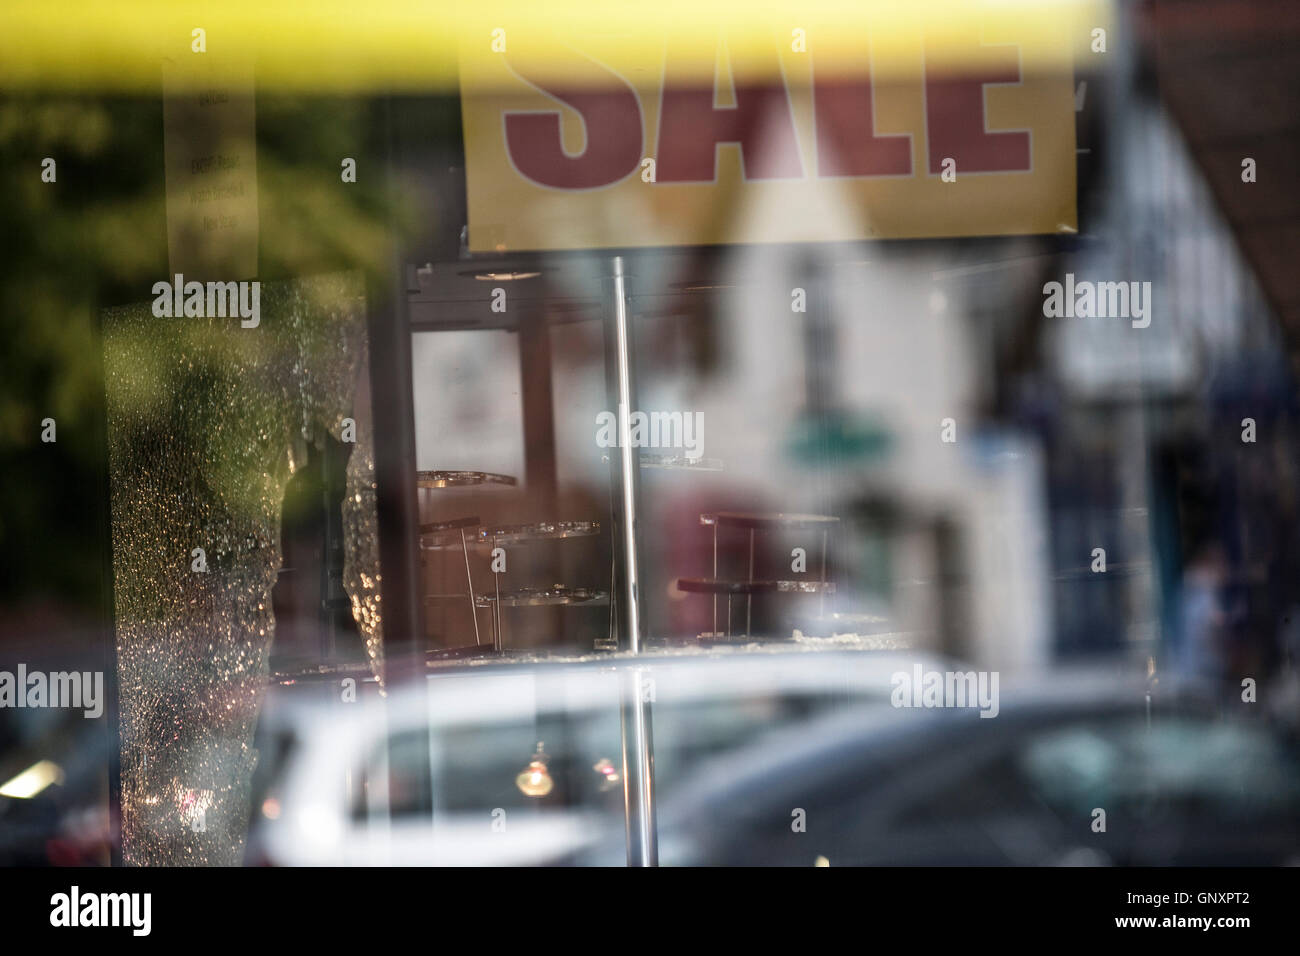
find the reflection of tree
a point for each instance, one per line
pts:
(207, 422)
(97, 237)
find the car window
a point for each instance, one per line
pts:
(688, 732)
(1228, 771)
(1026, 797)
(410, 786)
(478, 765)
(473, 768)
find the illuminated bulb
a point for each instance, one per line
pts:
(536, 780)
(608, 773)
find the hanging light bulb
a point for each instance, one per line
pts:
(536, 780)
(609, 778)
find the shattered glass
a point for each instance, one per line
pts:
(207, 421)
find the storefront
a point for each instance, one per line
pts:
(630, 400)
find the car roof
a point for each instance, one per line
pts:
(865, 736)
(506, 692)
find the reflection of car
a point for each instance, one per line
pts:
(429, 774)
(944, 787)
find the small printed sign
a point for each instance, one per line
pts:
(210, 147)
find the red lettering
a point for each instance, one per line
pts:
(690, 129)
(958, 126)
(611, 120)
(847, 144)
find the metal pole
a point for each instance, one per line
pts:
(635, 722)
(715, 577)
(749, 598)
(821, 600)
(498, 642)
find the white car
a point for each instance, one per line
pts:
(448, 771)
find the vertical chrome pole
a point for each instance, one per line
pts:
(638, 760)
(821, 600)
(715, 577)
(749, 599)
(498, 642)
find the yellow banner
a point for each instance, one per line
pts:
(809, 132)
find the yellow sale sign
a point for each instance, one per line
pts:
(591, 141)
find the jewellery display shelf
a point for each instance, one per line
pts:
(460, 479)
(451, 535)
(438, 530)
(753, 522)
(432, 310)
